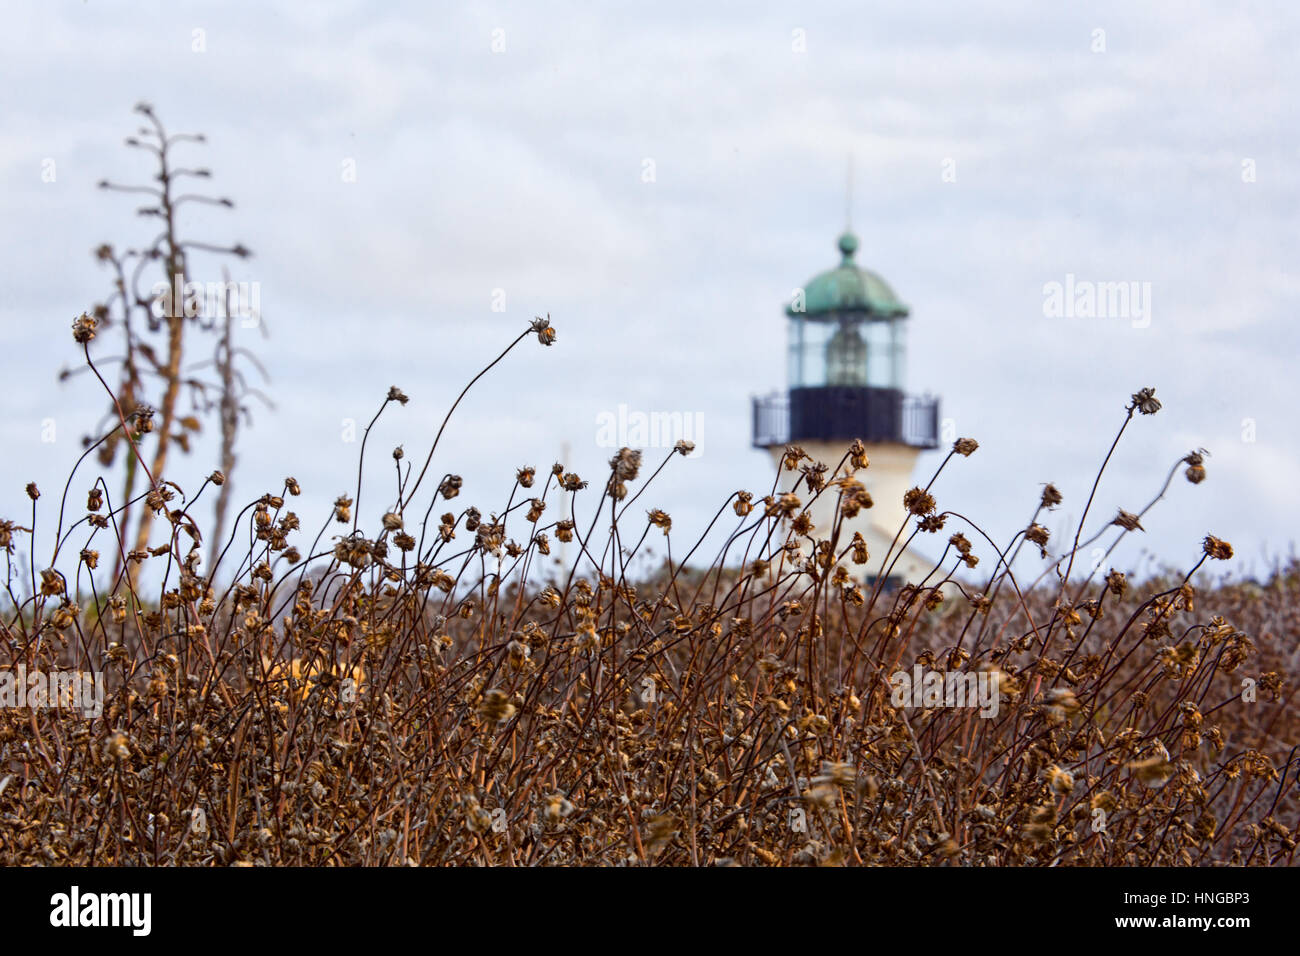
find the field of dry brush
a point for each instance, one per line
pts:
(417, 683)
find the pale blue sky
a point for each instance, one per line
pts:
(521, 170)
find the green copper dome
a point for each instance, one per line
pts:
(849, 288)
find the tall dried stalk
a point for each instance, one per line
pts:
(169, 309)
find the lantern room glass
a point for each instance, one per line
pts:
(845, 350)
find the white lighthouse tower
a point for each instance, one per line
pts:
(847, 358)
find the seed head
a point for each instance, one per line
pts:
(143, 419)
(1153, 773)
(1145, 401)
(1051, 496)
(495, 707)
(853, 497)
(545, 334)
(1116, 582)
(1128, 521)
(450, 486)
(626, 464)
(117, 746)
(83, 329)
(787, 504)
(1217, 548)
(918, 501)
(1059, 780)
(7, 529)
(557, 808)
(860, 555)
(837, 775)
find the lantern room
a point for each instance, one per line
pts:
(847, 360)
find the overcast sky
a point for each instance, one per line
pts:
(500, 154)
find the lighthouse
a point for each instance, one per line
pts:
(845, 382)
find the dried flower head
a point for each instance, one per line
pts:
(1195, 461)
(1216, 548)
(1145, 401)
(1116, 582)
(52, 583)
(1128, 521)
(495, 707)
(83, 329)
(1061, 781)
(545, 334)
(854, 497)
(117, 746)
(626, 464)
(557, 808)
(918, 501)
(450, 486)
(1153, 772)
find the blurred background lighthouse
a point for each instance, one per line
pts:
(846, 381)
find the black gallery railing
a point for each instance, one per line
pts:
(843, 413)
